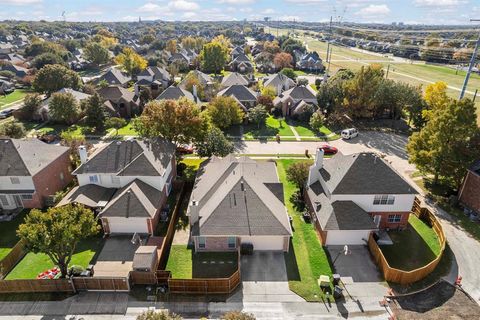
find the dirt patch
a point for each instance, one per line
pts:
(441, 301)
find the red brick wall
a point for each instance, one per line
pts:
(470, 192)
(214, 244)
(47, 182)
(392, 225)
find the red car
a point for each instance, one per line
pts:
(328, 149)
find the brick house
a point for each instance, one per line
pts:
(31, 171)
(350, 196)
(127, 183)
(236, 201)
(469, 195)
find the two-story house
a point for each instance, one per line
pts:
(127, 182)
(349, 196)
(31, 171)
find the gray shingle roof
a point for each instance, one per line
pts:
(175, 93)
(131, 158)
(363, 173)
(115, 93)
(234, 78)
(136, 199)
(90, 195)
(242, 93)
(115, 77)
(27, 157)
(239, 197)
(278, 80)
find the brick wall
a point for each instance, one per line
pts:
(214, 244)
(470, 192)
(48, 181)
(392, 225)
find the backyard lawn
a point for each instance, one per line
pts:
(34, 263)
(8, 233)
(412, 248)
(307, 259)
(16, 95)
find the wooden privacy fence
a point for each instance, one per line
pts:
(101, 284)
(12, 258)
(402, 276)
(205, 286)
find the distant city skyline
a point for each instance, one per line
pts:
(362, 11)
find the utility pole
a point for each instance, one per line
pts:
(329, 55)
(470, 66)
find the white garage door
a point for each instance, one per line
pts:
(131, 225)
(347, 237)
(264, 242)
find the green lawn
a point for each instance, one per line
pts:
(272, 127)
(34, 263)
(16, 95)
(307, 259)
(8, 233)
(412, 248)
(180, 262)
(127, 130)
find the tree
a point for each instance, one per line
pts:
(214, 143)
(171, 46)
(96, 53)
(258, 115)
(283, 60)
(436, 95)
(54, 77)
(31, 103)
(158, 315)
(179, 121)
(213, 57)
(289, 72)
(297, 173)
(115, 123)
(13, 129)
(267, 101)
(225, 112)
(443, 147)
(57, 232)
(94, 113)
(192, 80)
(237, 315)
(271, 47)
(47, 58)
(269, 91)
(131, 61)
(63, 107)
(316, 121)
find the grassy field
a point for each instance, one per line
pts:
(307, 259)
(17, 95)
(34, 263)
(414, 247)
(8, 233)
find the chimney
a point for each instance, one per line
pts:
(194, 211)
(82, 152)
(194, 92)
(319, 158)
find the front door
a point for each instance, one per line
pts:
(376, 220)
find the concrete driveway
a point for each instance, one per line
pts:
(357, 265)
(264, 279)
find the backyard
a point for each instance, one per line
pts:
(8, 232)
(412, 248)
(34, 263)
(306, 259)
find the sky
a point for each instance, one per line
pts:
(381, 11)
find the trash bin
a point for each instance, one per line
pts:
(336, 279)
(337, 292)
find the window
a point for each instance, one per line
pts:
(201, 242)
(15, 180)
(28, 196)
(4, 200)
(93, 179)
(394, 218)
(232, 242)
(383, 199)
(62, 176)
(115, 181)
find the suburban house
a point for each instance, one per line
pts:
(154, 78)
(30, 172)
(113, 77)
(469, 195)
(245, 96)
(203, 78)
(241, 63)
(279, 82)
(235, 78)
(127, 182)
(310, 62)
(175, 93)
(6, 87)
(293, 101)
(238, 201)
(119, 102)
(20, 72)
(350, 196)
(43, 112)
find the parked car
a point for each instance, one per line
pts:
(328, 149)
(6, 113)
(348, 134)
(184, 149)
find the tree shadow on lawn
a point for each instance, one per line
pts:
(262, 131)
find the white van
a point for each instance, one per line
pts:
(348, 134)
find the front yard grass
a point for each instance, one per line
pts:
(306, 259)
(8, 233)
(34, 263)
(272, 127)
(127, 130)
(16, 95)
(412, 248)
